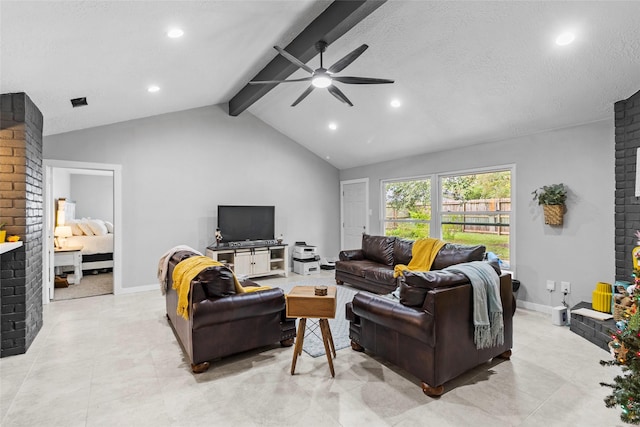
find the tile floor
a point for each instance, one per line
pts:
(114, 361)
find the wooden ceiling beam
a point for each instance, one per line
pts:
(338, 18)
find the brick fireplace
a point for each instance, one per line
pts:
(627, 205)
(21, 207)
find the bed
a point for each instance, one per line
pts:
(97, 251)
(95, 236)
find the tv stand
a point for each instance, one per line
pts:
(253, 258)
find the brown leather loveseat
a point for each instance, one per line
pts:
(429, 331)
(371, 267)
(221, 322)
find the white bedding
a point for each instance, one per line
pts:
(92, 244)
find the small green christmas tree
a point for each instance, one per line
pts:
(625, 348)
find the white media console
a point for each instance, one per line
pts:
(253, 260)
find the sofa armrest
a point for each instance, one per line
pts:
(235, 307)
(410, 321)
(351, 255)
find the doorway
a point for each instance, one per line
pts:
(354, 207)
(98, 188)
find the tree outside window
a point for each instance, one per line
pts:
(475, 209)
(408, 208)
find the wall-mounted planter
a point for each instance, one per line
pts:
(552, 198)
(553, 214)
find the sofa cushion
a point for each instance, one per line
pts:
(402, 251)
(378, 248)
(380, 274)
(357, 268)
(452, 254)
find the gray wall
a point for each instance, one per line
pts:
(582, 250)
(61, 184)
(177, 168)
(93, 195)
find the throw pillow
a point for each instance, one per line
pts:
(98, 227)
(75, 229)
(84, 226)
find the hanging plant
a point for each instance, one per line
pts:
(552, 198)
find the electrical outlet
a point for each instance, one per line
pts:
(551, 285)
(565, 287)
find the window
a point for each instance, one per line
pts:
(475, 209)
(472, 208)
(407, 210)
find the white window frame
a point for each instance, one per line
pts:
(435, 226)
(383, 199)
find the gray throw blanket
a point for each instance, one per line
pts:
(487, 306)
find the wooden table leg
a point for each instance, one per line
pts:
(333, 347)
(297, 350)
(326, 334)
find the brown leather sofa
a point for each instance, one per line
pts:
(429, 331)
(221, 322)
(371, 267)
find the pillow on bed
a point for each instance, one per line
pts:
(84, 226)
(109, 226)
(75, 228)
(97, 226)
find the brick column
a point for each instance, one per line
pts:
(21, 208)
(627, 205)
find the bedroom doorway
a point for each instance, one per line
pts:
(81, 256)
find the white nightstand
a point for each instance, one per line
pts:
(69, 256)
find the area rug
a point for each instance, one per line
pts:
(313, 345)
(90, 285)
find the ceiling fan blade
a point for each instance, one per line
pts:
(344, 62)
(261, 82)
(304, 95)
(338, 94)
(293, 59)
(360, 80)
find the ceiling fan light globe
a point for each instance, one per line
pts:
(321, 81)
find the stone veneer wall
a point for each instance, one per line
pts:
(627, 205)
(21, 190)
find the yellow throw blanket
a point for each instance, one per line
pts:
(423, 253)
(189, 268)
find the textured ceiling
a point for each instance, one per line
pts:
(466, 72)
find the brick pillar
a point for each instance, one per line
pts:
(21, 208)
(627, 205)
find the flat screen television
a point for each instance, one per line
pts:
(242, 223)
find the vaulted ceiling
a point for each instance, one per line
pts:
(465, 72)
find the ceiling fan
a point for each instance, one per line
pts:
(325, 77)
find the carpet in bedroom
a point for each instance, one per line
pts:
(91, 285)
(313, 345)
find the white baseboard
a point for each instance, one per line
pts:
(533, 306)
(142, 288)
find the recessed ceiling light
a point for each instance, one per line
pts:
(174, 33)
(565, 38)
(395, 103)
(328, 157)
(153, 89)
(333, 126)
